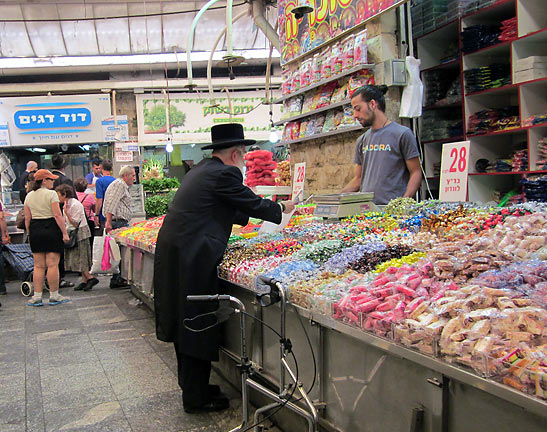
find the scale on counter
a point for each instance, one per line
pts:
(338, 206)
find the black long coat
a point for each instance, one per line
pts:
(190, 246)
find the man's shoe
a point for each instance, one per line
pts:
(35, 302)
(217, 404)
(90, 284)
(65, 284)
(80, 287)
(119, 284)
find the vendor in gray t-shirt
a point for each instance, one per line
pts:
(386, 155)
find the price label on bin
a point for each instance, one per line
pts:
(298, 181)
(454, 169)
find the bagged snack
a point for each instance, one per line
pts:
(348, 117)
(318, 124)
(348, 53)
(295, 106)
(307, 106)
(340, 92)
(326, 93)
(326, 70)
(315, 69)
(329, 122)
(287, 130)
(295, 132)
(303, 129)
(311, 127)
(286, 109)
(359, 79)
(295, 83)
(305, 69)
(336, 59)
(360, 48)
(338, 118)
(286, 81)
(316, 98)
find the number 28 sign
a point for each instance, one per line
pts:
(454, 169)
(299, 179)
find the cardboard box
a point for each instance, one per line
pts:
(538, 62)
(530, 74)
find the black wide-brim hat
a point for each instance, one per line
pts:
(227, 135)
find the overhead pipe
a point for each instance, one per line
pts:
(229, 21)
(210, 62)
(191, 40)
(258, 8)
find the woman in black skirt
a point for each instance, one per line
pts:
(46, 228)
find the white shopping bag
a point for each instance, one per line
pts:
(99, 251)
(411, 102)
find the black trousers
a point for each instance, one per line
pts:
(193, 375)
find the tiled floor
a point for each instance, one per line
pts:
(93, 364)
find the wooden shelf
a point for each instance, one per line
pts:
(325, 81)
(326, 134)
(500, 132)
(508, 173)
(436, 106)
(313, 112)
(452, 64)
(492, 9)
(492, 49)
(498, 90)
(440, 28)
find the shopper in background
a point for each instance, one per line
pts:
(58, 164)
(5, 240)
(117, 210)
(88, 201)
(101, 186)
(78, 258)
(190, 246)
(386, 155)
(95, 174)
(32, 167)
(46, 228)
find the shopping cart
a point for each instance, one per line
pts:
(19, 257)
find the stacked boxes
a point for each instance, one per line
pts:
(530, 68)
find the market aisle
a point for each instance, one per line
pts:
(93, 364)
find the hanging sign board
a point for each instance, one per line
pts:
(123, 156)
(43, 120)
(454, 169)
(4, 134)
(191, 116)
(328, 19)
(299, 180)
(115, 131)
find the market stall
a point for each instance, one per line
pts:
(432, 312)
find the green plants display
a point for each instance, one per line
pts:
(157, 205)
(152, 168)
(159, 184)
(154, 119)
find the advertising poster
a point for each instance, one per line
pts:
(328, 19)
(191, 116)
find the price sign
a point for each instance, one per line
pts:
(122, 156)
(454, 169)
(299, 180)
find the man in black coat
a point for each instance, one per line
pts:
(189, 248)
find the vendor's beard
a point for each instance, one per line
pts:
(370, 121)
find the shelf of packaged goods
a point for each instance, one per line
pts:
(325, 81)
(506, 89)
(500, 132)
(507, 393)
(496, 8)
(444, 140)
(491, 50)
(272, 190)
(435, 106)
(313, 112)
(325, 135)
(452, 64)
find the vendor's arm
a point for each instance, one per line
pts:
(108, 224)
(240, 218)
(355, 184)
(415, 178)
(4, 228)
(231, 189)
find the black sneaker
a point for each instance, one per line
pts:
(119, 284)
(217, 404)
(80, 287)
(65, 284)
(90, 284)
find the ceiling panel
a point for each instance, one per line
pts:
(80, 36)
(176, 27)
(112, 34)
(14, 41)
(145, 33)
(46, 37)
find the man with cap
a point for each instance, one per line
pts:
(189, 248)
